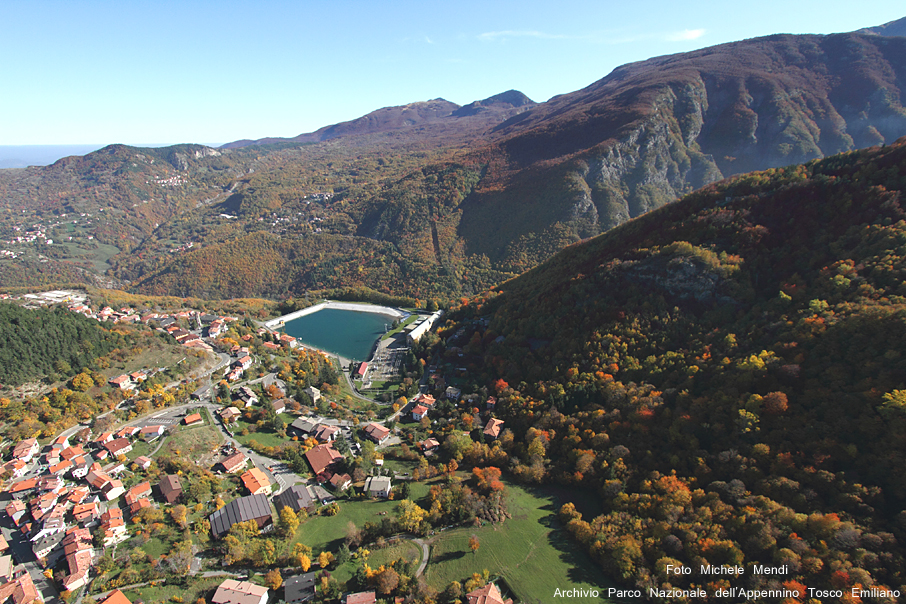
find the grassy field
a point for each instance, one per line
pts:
(194, 588)
(407, 321)
(326, 533)
(528, 550)
(195, 442)
(264, 436)
(402, 549)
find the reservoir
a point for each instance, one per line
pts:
(348, 333)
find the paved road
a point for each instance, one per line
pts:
(425, 554)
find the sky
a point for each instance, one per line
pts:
(166, 72)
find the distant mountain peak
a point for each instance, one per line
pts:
(511, 99)
(893, 28)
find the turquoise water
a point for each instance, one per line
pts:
(348, 333)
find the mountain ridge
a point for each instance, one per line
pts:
(402, 117)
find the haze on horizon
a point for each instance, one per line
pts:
(103, 72)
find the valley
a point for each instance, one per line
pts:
(643, 341)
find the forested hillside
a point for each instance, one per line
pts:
(727, 373)
(48, 342)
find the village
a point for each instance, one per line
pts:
(72, 500)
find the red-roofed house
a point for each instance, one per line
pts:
(489, 594)
(418, 412)
(144, 462)
(26, 449)
(377, 433)
(152, 432)
(364, 597)
(191, 420)
(322, 457)
(256, 482)
(60, 468)
(139, 491)
(116, 597)
(493, 428)
(118, 446)
(123, 382)
(233, 463)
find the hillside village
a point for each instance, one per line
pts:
(74, 500)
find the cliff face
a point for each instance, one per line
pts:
(652, 131)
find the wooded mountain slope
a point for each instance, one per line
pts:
(727, 373)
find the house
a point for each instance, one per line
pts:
(240, 592)
(244, 362)
(16, 509)
(453, 393)
(113, 527)
(271, 346)
(47, 549)
(322, 458)
(304, 426)
(150, 433)
(377, 433)
(425, 400)
(493, 428)
(80, 466)
(489, 594)
(118, 446)
(229, 414)
(139, 491)
(116, 597)
(418, 412)
(491, 403)
(138, 505)
(378, 486)
(23, 488)
(71, 453)
(86, 513)
(26, 449)
(234, 375)
(429, 446)
(256, 482)
(234, 463)
(326, 433)
(60, 468)
(103, 438)
(363, 597)
(247, 396)
(138, 376)
(20, 589)
(77, 548)
(170, 488)
(78, 494)
(243, 509)
(6, 568)
(340, 482)
(279, 405)
(362, 370)
(112, 490)
(123, 382)
(300, 588)
(191, 420)
(296, 498)
(313, 393)
(16, 468)
(143, 462)
(288, 341)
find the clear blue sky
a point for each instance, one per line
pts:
(133, 72)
